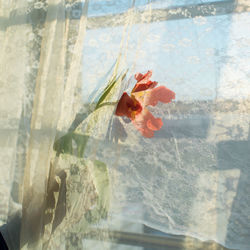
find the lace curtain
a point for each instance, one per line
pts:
(40, 83)
(68, 168)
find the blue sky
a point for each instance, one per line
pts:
(190, 56)
(102, 7)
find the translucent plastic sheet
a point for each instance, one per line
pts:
(68, 167)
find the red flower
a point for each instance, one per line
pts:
(128, 106)
(143, 82)
(143, 95)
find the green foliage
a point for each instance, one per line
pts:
(114, 81)
(65, 144)
(100, 176)
(74, 143)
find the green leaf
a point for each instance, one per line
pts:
(98, 91)
(64, 145)
(112, 83)
(100, 176)
(101, 179)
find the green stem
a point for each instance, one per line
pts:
(106, 104)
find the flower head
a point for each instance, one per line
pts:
(144, 94)
(128, 106)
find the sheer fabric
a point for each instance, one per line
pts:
(40, 69)
(70, 167)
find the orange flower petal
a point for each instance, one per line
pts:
(143, 82)
(159, 94)
(146, 123)
(155, 124)
(144, 86)
(143, 78)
